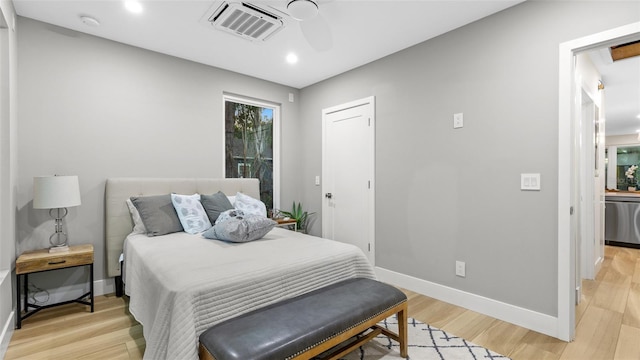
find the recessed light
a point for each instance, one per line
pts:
(292, 58)
(89, 21)
(133, 6)
(638, 116)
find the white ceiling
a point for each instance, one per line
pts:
(361, 31)
(621, 81)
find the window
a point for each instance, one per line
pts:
(252, 143)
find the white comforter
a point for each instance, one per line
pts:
(180, 284)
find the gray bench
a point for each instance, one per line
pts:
(311, 324)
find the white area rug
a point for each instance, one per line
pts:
(425, 343)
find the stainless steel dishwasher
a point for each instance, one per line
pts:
(622, 220)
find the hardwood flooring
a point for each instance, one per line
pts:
(608, 324)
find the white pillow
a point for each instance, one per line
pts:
(250, 205)
(232, 200)
(191, 213)
(138, 225)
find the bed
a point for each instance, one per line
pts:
(181, 284)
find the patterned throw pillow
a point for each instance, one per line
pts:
(240, 228)
(230, 214)
(191, 213)
(250, 205)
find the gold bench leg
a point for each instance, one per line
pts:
(402, 331)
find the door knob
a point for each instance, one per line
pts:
(328, 195)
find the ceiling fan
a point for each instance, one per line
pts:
(262, 19)
(314, 27)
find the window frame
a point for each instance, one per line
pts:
(276, 138)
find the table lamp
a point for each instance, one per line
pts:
(56, 193)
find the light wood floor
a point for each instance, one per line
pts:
(608, 324)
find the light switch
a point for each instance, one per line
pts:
(291, 98)
(530, 182)
(458, 120)
(317, 180)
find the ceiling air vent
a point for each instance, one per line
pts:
(246, 20)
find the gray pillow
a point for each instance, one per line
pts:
(241, 229)
(215, 204)
(158, 214)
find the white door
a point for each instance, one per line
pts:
(348, 138)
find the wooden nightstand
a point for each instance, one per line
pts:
(41, 260)
(286, 223)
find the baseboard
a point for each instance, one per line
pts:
(105, 286)
(7, 332)
(529, 319)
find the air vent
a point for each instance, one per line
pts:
(246, 20)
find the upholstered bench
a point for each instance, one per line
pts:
(310, 324)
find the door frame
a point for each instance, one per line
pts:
(368, 101)
(566, 111)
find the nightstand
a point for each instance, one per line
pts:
(287, 223)
(41, 260)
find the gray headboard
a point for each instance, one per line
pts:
(118, 223)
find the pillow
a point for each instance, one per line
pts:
(241, 229)
(232, 200)
(250, 205)
(138, 225)
(158, 214)
(230, 214)
(191, 213)
(215, 204)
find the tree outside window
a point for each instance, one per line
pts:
(249, 145)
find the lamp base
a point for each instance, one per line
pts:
(55, 249)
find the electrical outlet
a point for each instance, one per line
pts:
(460, 268)
(458, 120)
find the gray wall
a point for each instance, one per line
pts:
(98, 109)
(445, 195)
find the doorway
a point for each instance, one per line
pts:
(348, 154)
(569, 183)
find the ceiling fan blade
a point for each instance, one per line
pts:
(317, 33)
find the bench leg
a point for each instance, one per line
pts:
(402, 331)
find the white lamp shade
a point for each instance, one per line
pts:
(302, 9)
(51, 192)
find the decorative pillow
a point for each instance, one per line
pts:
(158, 214)
(250, 205)
(191, 213)
(230, 214)
(240, 229)
(138, 225)
(215, 204)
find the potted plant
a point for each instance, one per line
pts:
(299, 215)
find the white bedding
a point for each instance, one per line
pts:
(180, 284)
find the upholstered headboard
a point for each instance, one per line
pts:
(118, 223)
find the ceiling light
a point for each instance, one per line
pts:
(89, 21)
(302, 9)
(133, 6)
(292, 58)
(638, 116)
